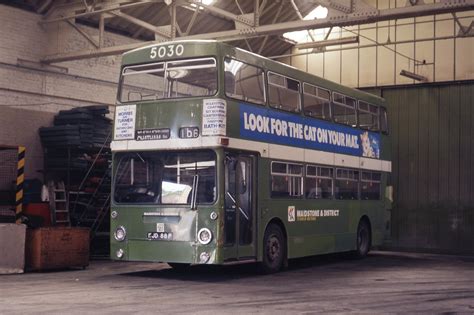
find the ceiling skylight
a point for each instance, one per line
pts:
(205, 2)
(319, 12)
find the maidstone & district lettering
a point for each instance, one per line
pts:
(312, 215)
(282, 128)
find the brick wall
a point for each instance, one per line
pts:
(20, 127)
(75, 83)
(30, 95)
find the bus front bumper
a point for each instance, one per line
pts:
(164, 251)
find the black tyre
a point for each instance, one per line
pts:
(180, 267)
(274, 249)
(363, 239)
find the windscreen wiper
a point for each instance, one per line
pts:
(194, 192)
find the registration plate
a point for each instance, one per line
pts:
(160, 236)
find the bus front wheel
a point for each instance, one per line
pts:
(363, 239)
(180, 267)
(274, 249)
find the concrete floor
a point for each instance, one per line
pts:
(384, 282)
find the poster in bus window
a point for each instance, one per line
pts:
(214, 112)
(125, 122)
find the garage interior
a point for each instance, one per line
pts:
(60, 64)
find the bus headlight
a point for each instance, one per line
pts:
(204, 236)
(120, 234)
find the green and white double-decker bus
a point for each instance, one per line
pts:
(223, 156)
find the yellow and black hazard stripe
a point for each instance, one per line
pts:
(20, 179)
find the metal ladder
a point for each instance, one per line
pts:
(58, 203)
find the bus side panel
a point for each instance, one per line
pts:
(320, 230)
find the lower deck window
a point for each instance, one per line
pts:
(319, 182)
(370, 186)
(287, 180)
(346, 185)
(323, 182)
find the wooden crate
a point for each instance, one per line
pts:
(57, 248)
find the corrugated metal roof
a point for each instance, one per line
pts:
(158, 14)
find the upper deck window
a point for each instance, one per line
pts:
(283, 92)
(344, 109)
(368, 116)
(172, 79)
(316, 101)
(244, 82)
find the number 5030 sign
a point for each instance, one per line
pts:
(166, 51)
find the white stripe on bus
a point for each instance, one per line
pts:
(266, 150)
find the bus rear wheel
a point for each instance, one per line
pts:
(363, 239)
(274, 249)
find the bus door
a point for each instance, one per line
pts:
(240, 206)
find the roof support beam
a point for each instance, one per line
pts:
(256, 13)
(239, 7)
(275, 17)
(108, 9)
(340, 20)
(173, 20)
(83, 34)
(295, 7)
(151, 17)
(224, 13)
(191, 23)
(101, 30)
(140, 23)
(44, 6)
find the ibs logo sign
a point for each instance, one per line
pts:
(291, 214)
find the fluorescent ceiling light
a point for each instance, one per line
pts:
(413, 76)
(319, 12)
(329, 42)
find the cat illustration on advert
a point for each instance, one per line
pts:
(370, 146)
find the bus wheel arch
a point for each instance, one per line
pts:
(275, 236)
(363, 237)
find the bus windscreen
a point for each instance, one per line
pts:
(165, 177)
(171, 79)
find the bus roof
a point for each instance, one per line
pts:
(271, 65)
